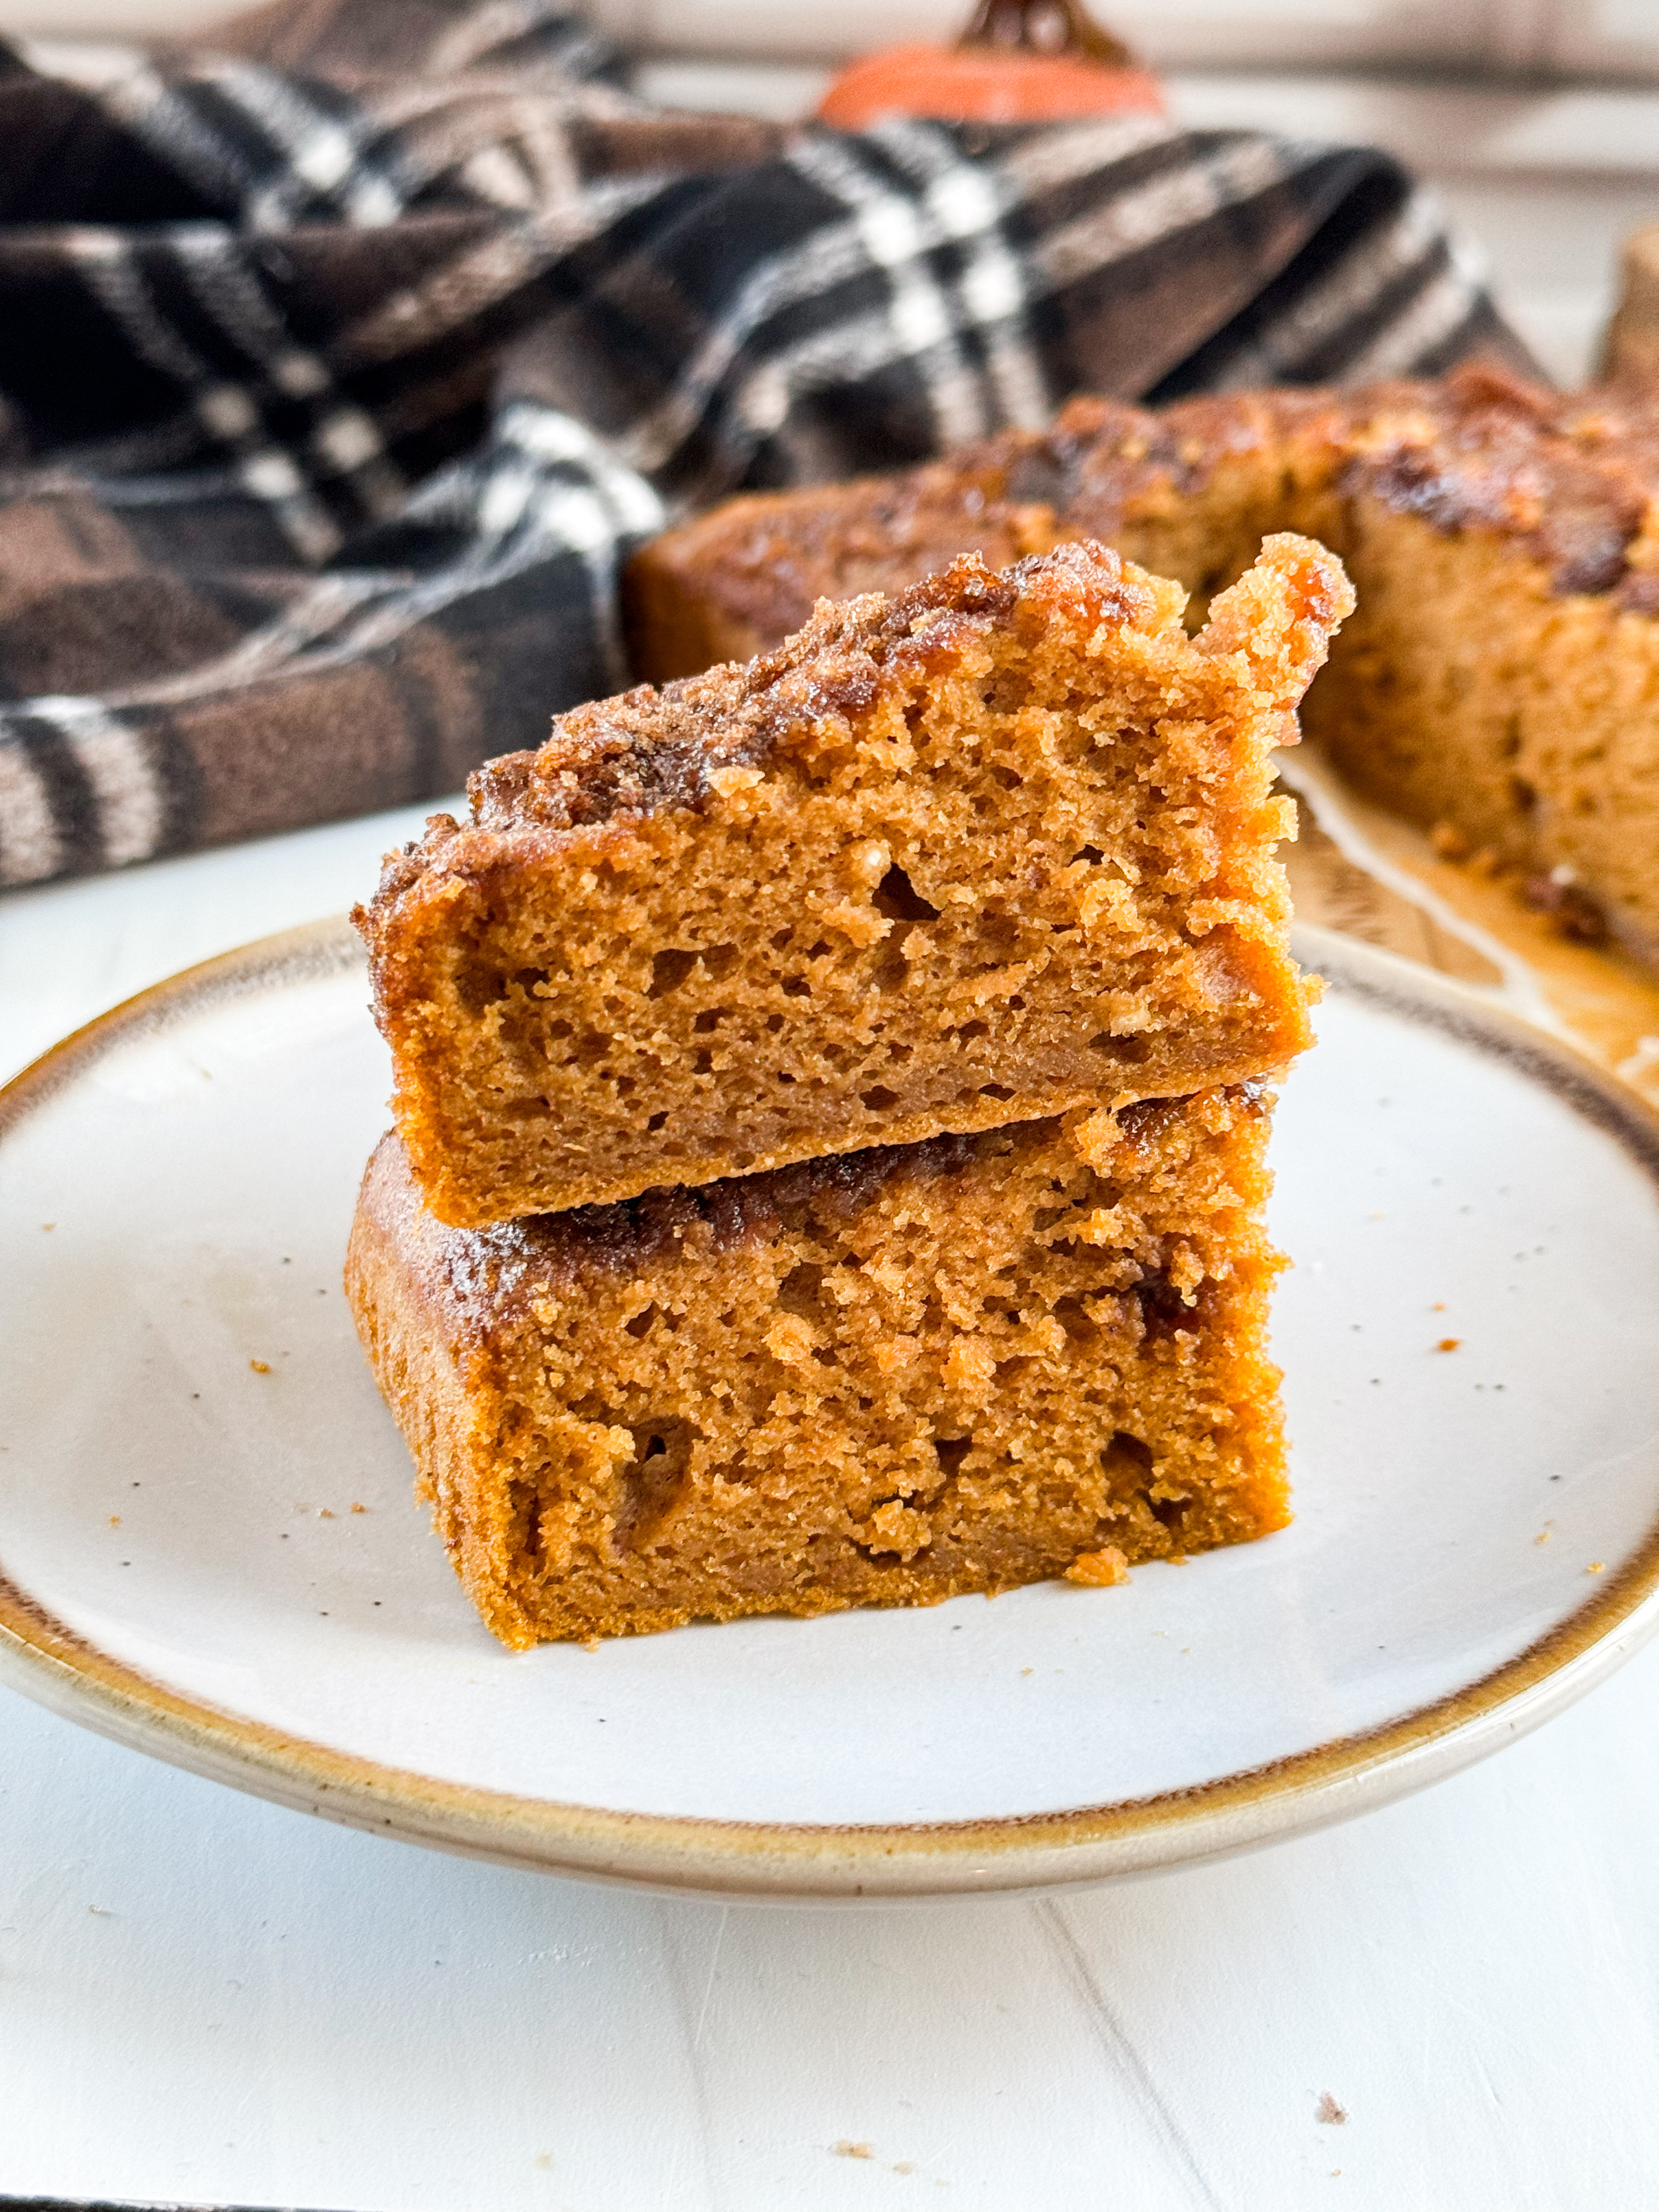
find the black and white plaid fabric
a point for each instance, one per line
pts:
(341, 366)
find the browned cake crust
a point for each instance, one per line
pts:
(1504, 676)
(1501, 676)
(1181, 494)
(776, 558)
(883, 1378)
(997, 847)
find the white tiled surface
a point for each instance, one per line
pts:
(204, 1997)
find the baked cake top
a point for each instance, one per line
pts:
(784, 554)
(1572, 475)
(482, 1280)
(647, 750)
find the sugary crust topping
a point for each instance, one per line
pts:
(1571, 477)
(646, 750)
(1100, 460)
(483, 1276)
(778, 553)
(481, 1280)
(1096, 462)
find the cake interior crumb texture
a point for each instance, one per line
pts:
(887, 1377)
(992, 849)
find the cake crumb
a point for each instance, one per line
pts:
(114, 1520)
(1328, 2112)
(49, 1224)
(1597, 1567)
(1100, 1570)
(845, 2149)
(359, 1509)
(325, 1513)
(1439, 1306)
(727, 781)
(1543, 1535)
(260, 1366)
(1449, 1344)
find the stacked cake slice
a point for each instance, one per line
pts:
(829, 1154)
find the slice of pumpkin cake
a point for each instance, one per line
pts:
(883, 1378)
(1501, 686)
(995, 848)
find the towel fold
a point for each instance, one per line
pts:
(341, 364)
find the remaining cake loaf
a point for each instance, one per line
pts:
(1502, 677)
(885, 1378)
(1184, 493)
(731, 584)
(996, 848)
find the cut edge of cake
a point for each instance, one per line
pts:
(891, 1378)
(543, 960)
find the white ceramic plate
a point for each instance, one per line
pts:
(1476, 1540)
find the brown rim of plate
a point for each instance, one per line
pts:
(47, 1660)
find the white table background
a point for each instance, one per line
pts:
(204, 1997)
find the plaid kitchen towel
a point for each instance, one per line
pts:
(341, 363)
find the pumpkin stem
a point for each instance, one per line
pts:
(1045, 27)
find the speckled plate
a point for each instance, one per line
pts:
(207, 1548)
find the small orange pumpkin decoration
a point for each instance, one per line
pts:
(1019, 61)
